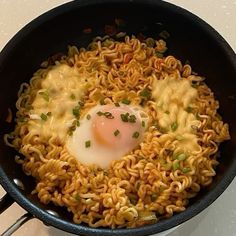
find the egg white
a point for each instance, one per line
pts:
(97, 153)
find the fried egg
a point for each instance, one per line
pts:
(107, 133)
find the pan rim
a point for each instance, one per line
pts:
(161, 226)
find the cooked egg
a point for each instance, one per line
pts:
(107, 133)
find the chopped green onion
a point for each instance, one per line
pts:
(147, 216)
(146, 93)
(70, 132)
(135, 134)
(126, 101)
(108, 115)
(81, 103)
(99, 113)
(175, 166)
(132, 118)
(102, 101)
(181, 157)
(189, 109)
(162, 188)
(150, 42)
(43, 117)
(167, 166)
(73, 128)
(45, 95)
(154, 197)
(77, 123)
(164, 34)
(186, 170)
(124, 117)
(117, 104)
(49, 113)
(88, 144)
(116, 132)
(88, 117)
(76, 111)
(174, 126)
(77, 197)
(158, 54)
(167, 112)
(195, 85)
(133, 199)
(143, 123)
(72, 96)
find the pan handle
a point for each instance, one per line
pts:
(5, 202)
(23, 219)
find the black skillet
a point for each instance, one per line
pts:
(190, 39)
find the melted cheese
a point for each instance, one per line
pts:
(173, 96)
(64, 87)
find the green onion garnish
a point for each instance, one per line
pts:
(135, 134)
(175, 166)
(143, 123)
(116, 132)
(158, 54)
(108, 115)
(72, 96)
(164, 34)
(77, 123)
(77, 197)
(150, 42)
(189, 109)
(76, 111)
(133, 199)
(45, 95)
(81, 103)
(49, 113)
(87, 143)
(102, 101)
(43, 117)
(174, 126)
(124, 117)
(167, 112)
(146, 93)
(181, 157)
(88, 117)
(117, 104)
(195, 85)
(186, 170)
(99, 113)
(154, 197)
(132, 118)
(126, 101)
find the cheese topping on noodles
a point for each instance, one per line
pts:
(59, 94)
(173, 98)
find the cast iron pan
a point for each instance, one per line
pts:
(190, 39)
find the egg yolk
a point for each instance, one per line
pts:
(117, 127)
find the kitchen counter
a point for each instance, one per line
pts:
(220, 218)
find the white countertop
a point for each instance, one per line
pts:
(220, 218)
